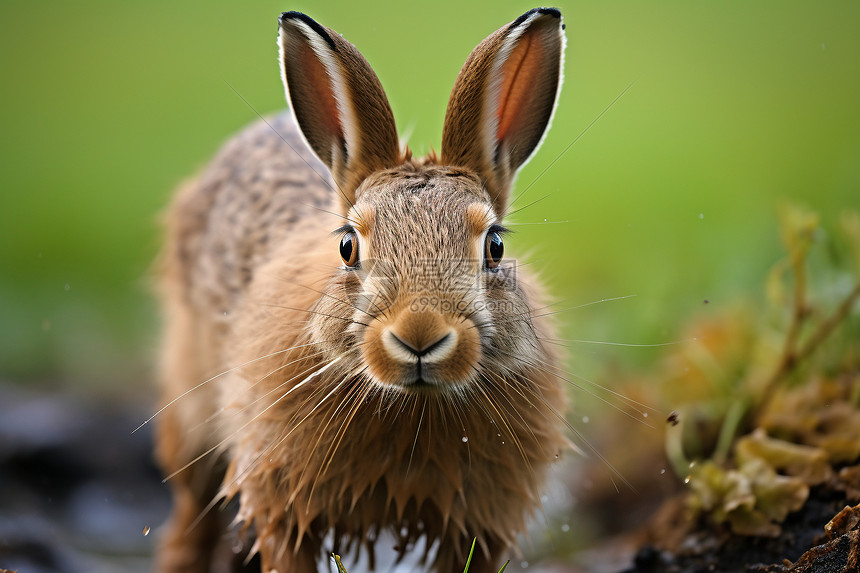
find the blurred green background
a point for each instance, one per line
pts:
(670, 196)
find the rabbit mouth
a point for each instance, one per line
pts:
(418, 375)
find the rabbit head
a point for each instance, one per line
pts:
(425, 299)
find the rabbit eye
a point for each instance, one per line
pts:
(494, 250)
(349, 249)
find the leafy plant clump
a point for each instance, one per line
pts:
(778, 400)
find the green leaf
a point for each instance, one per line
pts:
(471, 551)
(340, 567)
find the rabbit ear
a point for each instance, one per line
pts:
(503, 100)
(337, 101)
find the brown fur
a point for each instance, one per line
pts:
(300, 374)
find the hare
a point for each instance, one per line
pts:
(347, 350)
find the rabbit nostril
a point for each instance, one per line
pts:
(419, 352)
(438, 345)
(408, 351)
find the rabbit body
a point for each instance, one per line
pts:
(400, 383)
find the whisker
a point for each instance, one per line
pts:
(282, 439)
(631, 403)
(515, 211)
(252, 420)
(587, 304)
(622, 344)
(502, 384)
(163, 408)
(338, 215)
(349, 320)
(273, 390)
(415, 440)
(341, 433)
(330, 415)
(344, 302)
(537, 223)
(580, 436)
(526, 316)
(572, 143)
(512, 435)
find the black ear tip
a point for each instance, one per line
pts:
(551, 12)
(290, 16)
(287, 17)
(554, 12)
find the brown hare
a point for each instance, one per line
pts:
(348, 352)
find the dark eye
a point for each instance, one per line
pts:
(349, 248)
(494, 250)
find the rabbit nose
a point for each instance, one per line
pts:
(420, 336)
(433, 352)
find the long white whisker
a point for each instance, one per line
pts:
(626, 399)
(549, 369)
(329, 418)
(587, 304)
(415, 440)
(622, 344)
(283, 438)
(580, 436)
(166, 406)
(270, 392)
(362, 389)
(246, 424)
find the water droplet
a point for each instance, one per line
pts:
(524, 564)
(503, 442)
(544, 498)
(701, 215)
(692, 464)
(565, 528)
(465, 439)
(585, 419)
(146, 530)
(499, 435)
(687, 479)
(644, 414)
(556, 456)
(67, 287)
(662, 471)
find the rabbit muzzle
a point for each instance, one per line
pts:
(422, 350)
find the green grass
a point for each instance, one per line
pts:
(670, 196)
